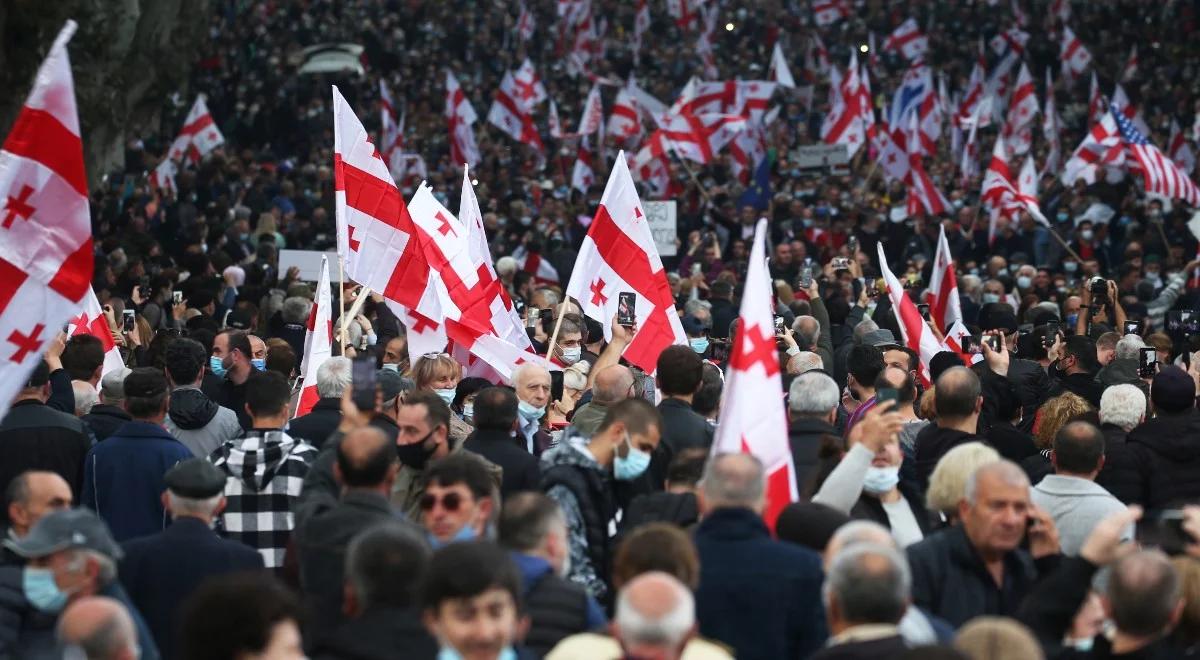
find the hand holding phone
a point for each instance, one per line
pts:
(1147, 362)
(626, 308)
(128, 321)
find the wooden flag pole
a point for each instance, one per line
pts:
(562, 310)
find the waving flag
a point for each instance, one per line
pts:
(618, 256)
(779, 71)
(1100, 147)
(45, 226)
(460, 116)
(973, 98)
(199, 135)
(582, 176)
(908, 39)
(1159, 174)
(944, 306)
(1051, 129)
(1074, 55)
(1178, 149)
(1097, 106)
(391, 133)
(625, 121)
(844, 122)
(511, 113)
(828, 12)
(918, 336)
(318, 341)
(91, 321)
(525, 23)
(1018, 125)
(1131, 65)
(753, 420)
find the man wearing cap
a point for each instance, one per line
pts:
(107, 416)
(123, 476)
(1164, 446)
(70, 555)
(160, 571)
(35, 437)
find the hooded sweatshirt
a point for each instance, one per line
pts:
(265, 470)
(198, 422)
(1166, 453)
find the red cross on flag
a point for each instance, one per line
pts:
(908, 39)
(918, 336)
(1021, 110)
(45, 226)
(582, 176)
(199, 135)
(1074, 55)
(944, 306)
(619, 249)
(460, 117)
(91, 321)
(318, 341)
(512, 114)
(753, 420)
(625, 121)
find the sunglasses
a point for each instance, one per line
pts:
(450, 502)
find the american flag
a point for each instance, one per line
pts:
(1160, 174)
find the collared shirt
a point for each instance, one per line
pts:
(864, 633)
(529, 430)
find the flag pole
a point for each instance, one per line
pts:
(342, 303)
(1063, 242)
(703, 192)
(562, 310)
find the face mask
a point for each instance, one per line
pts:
(526, 221)
(1070, 266)
(1086, 234)
(391, 367)
(572, 355)
(446, 394)
(991, 298)
(528, 412)
(468, 410)
(41, 590)
(467, 533)
(1072, 319)
(447, 653)
(1024, 282)
(1063, 216)
(243, 237)
(633, 465)
(415, 455)
(216, 366)
(259, 363)
(699, 344)
(881, 480)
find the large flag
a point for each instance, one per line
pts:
(91, 321)
(1101, 147)
(318, 341)
(460, 116)
(944, 306)
(918, 336)
(752, 415)
(908, 39)
(45, 226)
(1074, 55)
(1051, 129)
(1179, 150)
(1160, 175)
(618, 256)
(530, 90)
(512, 114)
(199, 135)
(779, 71)
(844, 123)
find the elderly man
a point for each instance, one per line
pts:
(30, 496)
(866, 594)
(656, 617)
(813, 402)
(977, 567)
(98, 628)
(611, 384)
(1124, 368)
(1122, 407)
(333, 377)
(495, 418)
(532, 383)
(106, 416)
(86, 397)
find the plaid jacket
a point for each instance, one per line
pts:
(265, 471)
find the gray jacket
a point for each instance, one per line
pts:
(1076, 505)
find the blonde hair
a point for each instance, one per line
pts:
(266, 225)
(783, 291)
(432, 367)
(997, 638)
(949, 479)
(1053, 415)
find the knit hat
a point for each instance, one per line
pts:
(943, 361)
(1173, 390)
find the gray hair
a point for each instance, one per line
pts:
(970, 284)
(667, 629)
(1129, 346)
(1122, 405)
(871, 583)
(190, 506)
(86, 396)
(506, 266)
(550, 297)
(524, 370)
(813, 393)
(804, 362)
(106, 639)
(733, 480)
(108, 566)
(295, 309)
(806, 338)
(693, 306)
(864, 326)
(861, 531)
(1008, 472)
(334, 376)
(948, 481)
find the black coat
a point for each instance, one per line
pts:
(233, 397)
(1012, 443)
(35, 437)
(723, 313)
(932, 443)
(104, 420)
(160, 571)
(1166, 452)
(883, 648)
(319, 423)
(1030, 381)
(871, 508)
(380, 632)
(683, 428)
(521, 471)
(805, 436)
(1084, 385)
(680, 509)
(1120, 475)
(760, 596)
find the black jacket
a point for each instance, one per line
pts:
(1031, 383)
(1083, 384)
(319, 423)
(233, 397)
(159, 572)
(189, 409)
(805, 435)
(723, 313)
(380, 632)
(871, 508)
(1119, 475)
(951, 581)
(932, 443)
(1012, 443)
(683, 428)
(104, 420)
(680, 509)
(1166, 451)
(883, 648)
(35, 437)
(1037, 466)
(521, 471)
(557, 608)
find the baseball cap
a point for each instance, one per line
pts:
(392, 384)
(881, 338)
(145, 382)
(998, 316)
(63, 530)
(112, 385)
(238, 320)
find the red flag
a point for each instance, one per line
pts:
(1179, 150)
(753, 420)
(318, 341)
(944, 306)
(525, 23)
(828, 12)
(1100, 147)
(918, 336)
(91, 321)
(618, 256)
(45, 226)
(199, 135)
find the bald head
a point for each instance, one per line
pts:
(365, 458)
(100, 628)
(1144, 593)
(655, 614)
(612, 384)
(733, 480)
(33, 494)
(258, 348)
(854, 533)
(956, 395)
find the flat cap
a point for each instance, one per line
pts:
(195, 478)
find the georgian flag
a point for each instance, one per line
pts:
(944, 306)
(1074, 55)
(917, 335)
(92, 321)
(199, 135)
(318, 341)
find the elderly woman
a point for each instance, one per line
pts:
(439, 373)
(948, 481)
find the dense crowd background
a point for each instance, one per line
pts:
(946, 510)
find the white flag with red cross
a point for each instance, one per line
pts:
(618, 256)
(512, 114)
(460, 117)
(199, 135)
(1073, 54)
(908, 39)
(318, 341)
(45, 226)
(753, 420)
(917, 334)
(944, 306)
(582, 176)
(625, 121)
(91, 321)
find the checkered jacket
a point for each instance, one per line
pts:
(265, 471)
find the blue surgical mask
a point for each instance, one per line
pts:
(467, 533)
(1070, 266)
(1063, 216)
(42, 591)
(391, 366)
(468, 410)
(447, 653)
(1072, 319)
(259, 363)
(991, 298)
(699, 344)
(446, 394)
(528, 412)
(879, 480)
(633, 465)
(216, 366)
(1024, 282)
(572, 355)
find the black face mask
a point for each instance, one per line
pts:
(415, 455)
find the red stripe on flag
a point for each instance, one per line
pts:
(74, 276)
(195, 127)
(39, 136)
(11, 279)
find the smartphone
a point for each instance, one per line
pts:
(806, 278)
(144, 286)
(176, 297)
(128, 320)
(1147, 362)
(887, 394)
(365, 381)
(852, 245)
(841, 263)
(779, 325)
(66, 328)
(1132, 328)
(531, 318)
(924, 310)
(1164, 532)
(974, 344)
(993, 343)
(696, 269)
(556, 385)
(626, 308)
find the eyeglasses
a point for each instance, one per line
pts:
(450, 502)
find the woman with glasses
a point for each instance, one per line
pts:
(439, 373)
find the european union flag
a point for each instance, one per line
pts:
(758, 194)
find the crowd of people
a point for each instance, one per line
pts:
(1033, 496)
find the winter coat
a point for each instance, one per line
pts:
(1166, 451)
(103, 420)
(198, 422)
(584, 490)
(319, 423)
(557, 608)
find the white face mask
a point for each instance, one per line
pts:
(572, 355)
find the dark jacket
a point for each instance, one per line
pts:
(556, 607)
(159, 572)
(319, 423)
(683, 428)
(1031, 383)
(123, 479)
(320, 540)
(1122, 371)
(1119, 475)
(1166, 452)
(805, 435)
(951, 581)
(104, 420)
(760, 596)
(883, 648)
(521, 471)
(233, 397)
(1083, 384)
(380, 632)
(1037, 466)
(1012, 443)
(723, 313)
(679, 509)
(871, 508)
(35, 437)
(584, 489)
(932, 443)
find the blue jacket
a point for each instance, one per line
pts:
(533, 568)
(159, 572)
(760, 596)
(123, 478)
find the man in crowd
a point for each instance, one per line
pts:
(610, 385)
(863, 364)
(679, 376)
(958, 401)
(109, 414)
(1122, 408)
(231, 361)
(532, 384)
(1163, 446)
(333, 377)
(656, 617)
(459, 499)
(471, 601)
(98, 628)
(495, 438)
(866, 594)
(30, 496)
(813, 402)
(192, 417)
